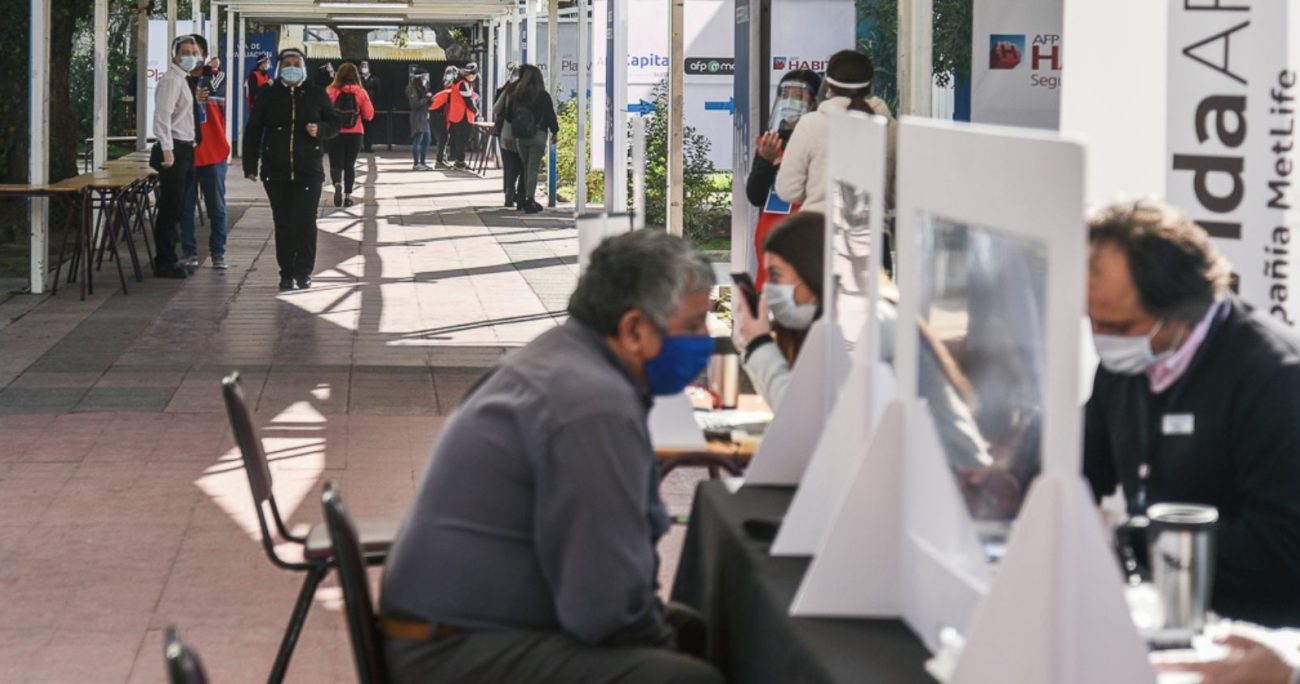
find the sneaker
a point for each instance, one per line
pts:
(174, 271)
(189, 261)
(460, 166)
(441, 163)
(304, 283)
(347, 201)
(415, 167)
(425, 167)
(286, 283)
(219, 262)
(532, 207)
(338, 195)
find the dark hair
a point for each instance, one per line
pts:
(416, 88)
(1177, 272)
(850, 67)
(527, 89)
(202, 43)
(347, 74)
(800, 240)
(806, 76)
(647, 270)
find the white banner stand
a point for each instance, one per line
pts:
(788, 442)
(855, 571)
(857, 160)
(594, 228)
(1058, 604)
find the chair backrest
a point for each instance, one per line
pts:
(250, 445)
(183, 665)
(351, 562)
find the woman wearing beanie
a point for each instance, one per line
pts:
(802, 176)
(793, 254)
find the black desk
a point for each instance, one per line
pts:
(745, 594)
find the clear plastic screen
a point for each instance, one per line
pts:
(981, 362)
(849, 252)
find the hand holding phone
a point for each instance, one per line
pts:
(748, 291)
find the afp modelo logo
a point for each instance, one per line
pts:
(710, 66)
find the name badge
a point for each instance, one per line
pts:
(1179, 424)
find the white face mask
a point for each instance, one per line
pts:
(780, 301)
(1129, 355)
(190, 62)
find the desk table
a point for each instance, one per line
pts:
(745, 595)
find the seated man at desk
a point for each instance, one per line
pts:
(1197, 400)
(529, 552)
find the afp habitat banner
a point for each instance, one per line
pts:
(1016, 61)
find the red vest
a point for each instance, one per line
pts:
(214, 149)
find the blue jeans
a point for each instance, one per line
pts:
(420, 146)
(213, 181)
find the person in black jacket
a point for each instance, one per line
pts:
(371, 83)
(1197, 401)
(795, 96)
(285, 130)
(531, 114)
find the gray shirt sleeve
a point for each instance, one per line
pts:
(593, 536)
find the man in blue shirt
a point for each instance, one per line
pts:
(529, 552)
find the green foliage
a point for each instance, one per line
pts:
(706, 206)
(878, 37)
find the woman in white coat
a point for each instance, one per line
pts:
(802, 178)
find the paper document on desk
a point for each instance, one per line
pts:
(673, 426)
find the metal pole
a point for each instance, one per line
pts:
(552, 67)
(490, 75)
(584, 79)
(142, 76)
(38, 131)
(530, 32)
(616, 83)
(676, 118)
(240, 51)
(100, 133)
(915, 56)
(638, 172)
(234, 77)
(171, 25)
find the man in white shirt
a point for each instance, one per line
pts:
(175, 125)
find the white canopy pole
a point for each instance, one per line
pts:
(491, 75)
(171, 26)
(553, 68)
(100, 130)
(676, 117)
(530, 33)
(915, 56)
(638, 172)
(142, 75)
(584, 82)
(196, 14)
(240, 50)
(38, 131)
(233, 78)
(616, 84)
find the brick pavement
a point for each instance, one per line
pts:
(123, 508)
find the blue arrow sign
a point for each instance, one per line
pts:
(642, 108)
(729, 106)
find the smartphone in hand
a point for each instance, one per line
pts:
(745, 283)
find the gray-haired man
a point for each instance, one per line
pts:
(529, 554)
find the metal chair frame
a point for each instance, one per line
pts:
(351, 560)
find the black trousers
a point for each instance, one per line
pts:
(512, 176)
(172, 185)
(440, 138)
(294, 205)
(460, 140)
(343, 150)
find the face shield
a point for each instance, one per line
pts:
(793, 100)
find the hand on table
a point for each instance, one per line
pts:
(169, 159)
(769, 147)
(1248, 662)
(312, 129)
(749, 328)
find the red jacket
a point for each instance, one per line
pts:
(365, 108)
(253, 85)
(214, 149)
(459, 107)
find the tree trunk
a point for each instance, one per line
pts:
(354, 44)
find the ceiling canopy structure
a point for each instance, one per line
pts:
(369, 12)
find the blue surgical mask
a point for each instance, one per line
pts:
(681, 359)
(190, 62)
(292, 75)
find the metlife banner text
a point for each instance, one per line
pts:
(1016, 61)
(1234, 87)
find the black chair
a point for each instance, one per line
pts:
(183, 665)
(350, 557)
(376, 534)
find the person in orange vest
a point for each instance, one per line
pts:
(462, 108)
(210, 166)
(353, 104)
(795, 96)
(257, 80)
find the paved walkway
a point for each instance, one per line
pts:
(123, 505)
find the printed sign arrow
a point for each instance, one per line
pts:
(642, 108)
(729, 106)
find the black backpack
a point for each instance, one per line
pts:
(346, 105)
(523, 124)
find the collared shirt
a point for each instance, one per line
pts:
(540, 507)
(173, 114)
(1163, 374)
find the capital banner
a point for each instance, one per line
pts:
(1016, 61)
(1234, 81)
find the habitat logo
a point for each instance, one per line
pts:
(793, 63)
(1006, 51)
(710, 66)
